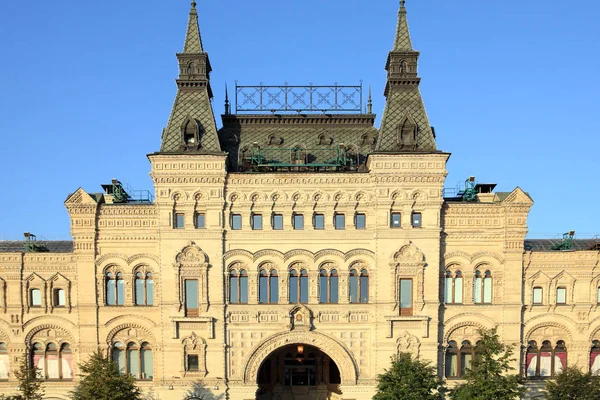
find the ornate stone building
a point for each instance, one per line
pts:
(293, 254)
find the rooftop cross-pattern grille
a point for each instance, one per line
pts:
(286, 98)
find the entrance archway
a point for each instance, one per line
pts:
(298, 371)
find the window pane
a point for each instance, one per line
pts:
(537, 295)
(236, 221)
(561, 295)
(298, 221)
(36, 297)
(303, 289)
(340, 221)
(451, 365)
(191, 294)
(458, 290)
(293, 289)
(333, 296)
(200, 221)
(110, 292)
(149, 292)
(487, 290)
(263, 289)
(147, 364)
(133, 362)
(353, 289)
(179, 221)
(319, 221)
(448, 292)
(257, 223)
(477, 290)
(323, 289)
(465, 363)
(416, 220)
(274, 288)
(396, 220)
(243, 289)
(599, 295)
(361, 221)
(52, 361)
(192, 362)
(60, 298)
(139, 291)
(233, 289)
(120, 292)
(277, 221)
(364, 289)
(119, 358)
(405, 293)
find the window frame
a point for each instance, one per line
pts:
(130, 347)
(364, 222)
(546, 347)
(59, 351)
(192, 312)
(41, 300)
(484, 287)
(406, 311)
(300, 217)
(394, 214)
(325, 277)
(564, 289)
(301, 274)
(113, 280)
(176, 224)
(196, 216)
(242, 273)
(254, 218)
(420, 219)
(321, 216)
(146, 276)
(533, 296)
(453, 277)
(342, 218)
(274, 218)
(187, 362)
(233, 219)
(56, 297)
(269, 275)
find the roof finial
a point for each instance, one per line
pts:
(402, 3)
(193, 3)
(227, 108)
(370, 103)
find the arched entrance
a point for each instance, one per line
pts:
(298, 371)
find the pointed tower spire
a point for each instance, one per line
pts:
(402, 40)
(404, 125)
(192, 127)
(370, 102)
(227, 109)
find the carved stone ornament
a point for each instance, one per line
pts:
(301, 319)
(195, 345)
(408, 254)
(408, 343)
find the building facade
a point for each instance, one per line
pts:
(291, 255)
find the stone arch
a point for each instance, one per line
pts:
(110, 258)
(460, 325)
(336, 351)
(269, 253)
(64, 333)
(144, 334)
(145, 257)
(549, 324)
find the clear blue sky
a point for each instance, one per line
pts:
(512, 88)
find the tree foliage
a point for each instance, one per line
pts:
(101, 380)
(489, 374)
(572, 383)
(30, 382)
(409, 379)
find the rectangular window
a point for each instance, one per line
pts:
(257, 223)
(395, 221)
(192, 362)
(298, 221)
(191, 298)
(406, 297)
(59, 298)
(537, 295)
(179, 221)
(36, 298)
(277, 222)
(416, 220)
(360, 221)
(236, 222)
(200, 221)
(561, 295)
(319, 221)
(340, 221)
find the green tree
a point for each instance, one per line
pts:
(572, 383)
(409, 379)
(489, 374)
(101, 380)
(30, 382)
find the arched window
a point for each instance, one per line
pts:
(268, 287)
(52, 363)
(328, 286)
(59, 299)
(466, 356)
(115, 289)
(238, 287)
(303, 286)
(359, 286)
(454, 288)
(191, 68)
(298, 286)
(4, 361)
(595, 358)
(482, 287)
(452, 360)
(546, 361)
(133, 360)
(144, 289)
(293, 286)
